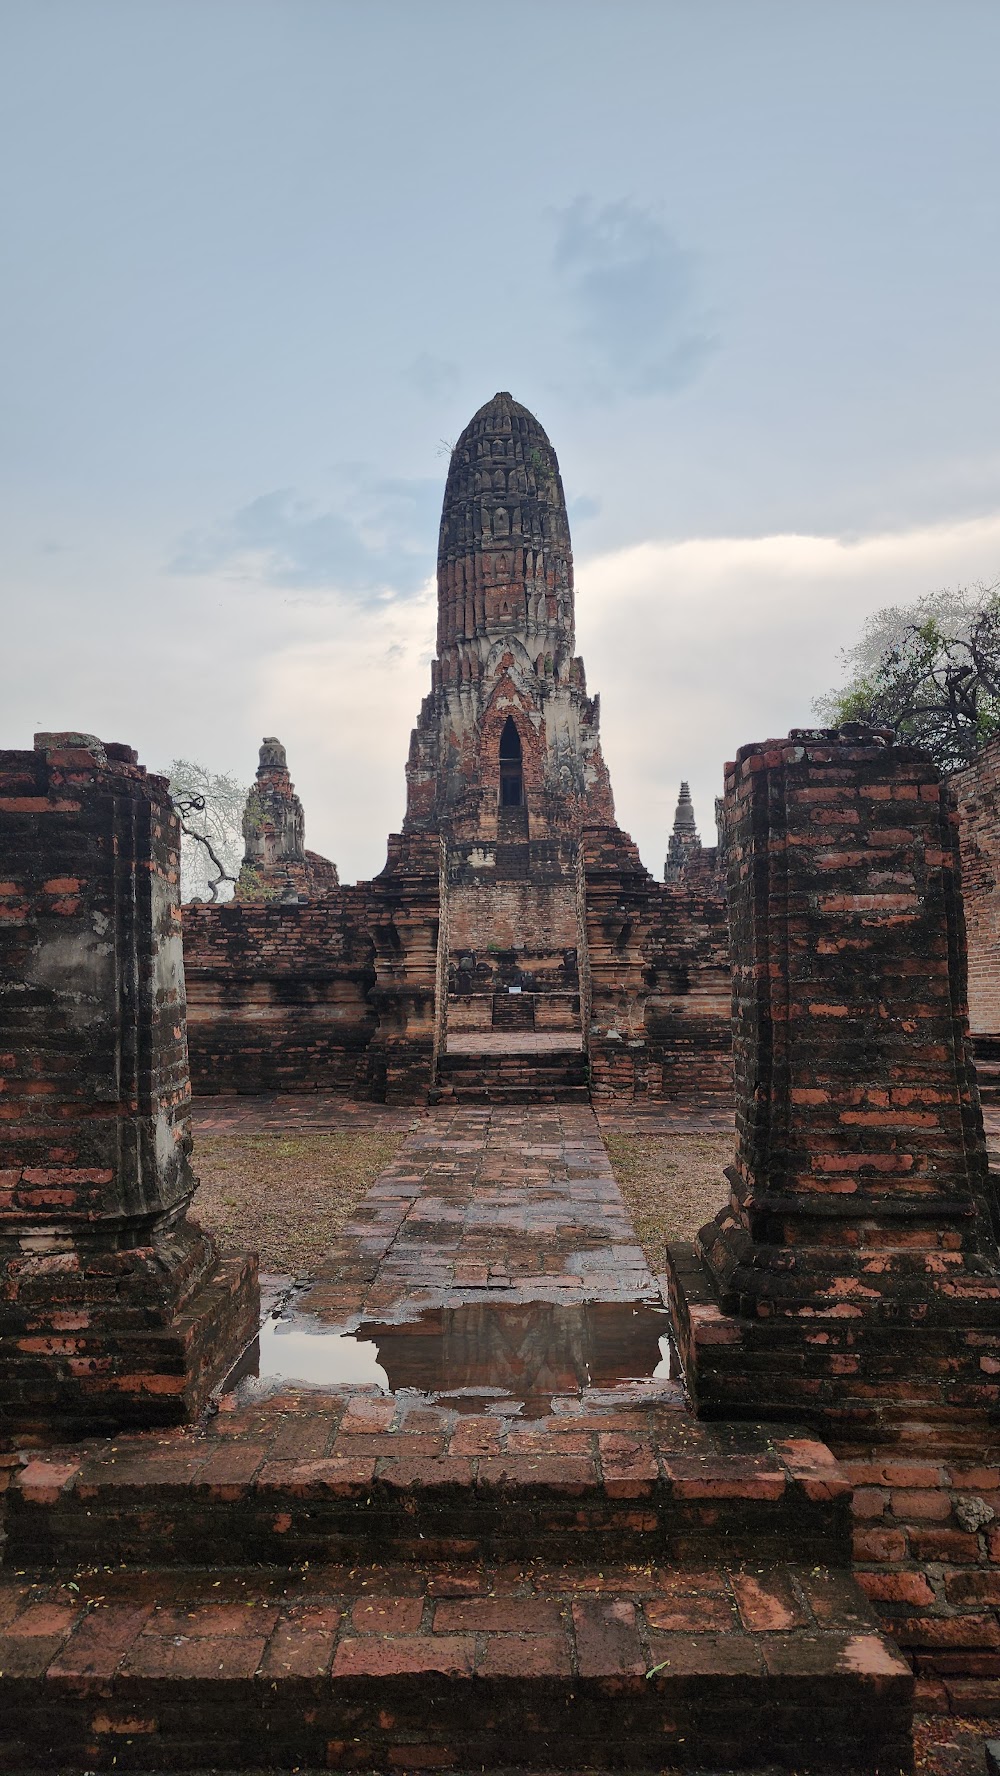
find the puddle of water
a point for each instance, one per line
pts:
(476, 1357)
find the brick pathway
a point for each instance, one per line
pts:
(294, 1113)
(515, 1199)
(418, 1580)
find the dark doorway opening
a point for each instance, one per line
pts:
(511, 776)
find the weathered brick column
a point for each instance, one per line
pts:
(405, 926)
(115, 1309)
(854, 1276)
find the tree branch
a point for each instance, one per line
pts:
(196, 805)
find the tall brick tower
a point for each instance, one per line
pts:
(507, 690)
(505, 761)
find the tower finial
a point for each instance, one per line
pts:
(684, 840)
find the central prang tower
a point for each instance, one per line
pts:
(505, 762)
(506, 746)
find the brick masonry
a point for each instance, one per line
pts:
(114, 1308)
(414, 1668)
(399, 1582)
(854, 1276)
(276, 864)
(323, 989)
(658, 987)
(977, 794)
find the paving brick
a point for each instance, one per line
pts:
(528, 1615)
(530, 1655)
(387, 1615)
(607, 1639)
(768, 1603)
(369, 1656)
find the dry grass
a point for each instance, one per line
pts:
(672, 1184)
(286, 1196)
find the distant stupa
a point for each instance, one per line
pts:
(684, 839)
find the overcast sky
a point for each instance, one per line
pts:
(262, 260)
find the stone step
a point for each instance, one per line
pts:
(488, 1093)
(554, 1064)
(484, 1488)
(988, 1075)
(513, 1011)
(389, 1669)
(557, 1076)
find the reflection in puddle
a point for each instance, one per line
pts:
(475, 1357)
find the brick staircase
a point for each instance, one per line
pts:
(398, 1588)
(555, 1076)
(513, 1011)
(987, 1053)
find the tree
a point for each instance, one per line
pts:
(929, 672)
(210, 805)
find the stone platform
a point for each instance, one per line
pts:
(517, 1549)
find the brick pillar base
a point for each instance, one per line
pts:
(854, 1277)
(115, 1309)
(399, 1065)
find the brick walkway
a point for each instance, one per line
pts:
(534, 1569)
(294, 1113)
(512, 1199)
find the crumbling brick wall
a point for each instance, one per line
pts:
(977, 793)
(335, 993)
(657, 977)
(115, 1308)
(278, 994)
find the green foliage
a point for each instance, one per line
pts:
(251, 886)
(929, 672)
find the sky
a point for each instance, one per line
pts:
(263, 259)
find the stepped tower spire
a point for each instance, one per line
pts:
(684, 840)
(504, 558)
(506, 688)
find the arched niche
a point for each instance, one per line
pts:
(511, 766)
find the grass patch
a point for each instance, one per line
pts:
(672, 1184)
(286, 1196)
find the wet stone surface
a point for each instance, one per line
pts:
(480, 1357)
(492, 1267)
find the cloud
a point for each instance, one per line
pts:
(700, 646)
(432, 377)
(695, 647)
(634, 292)
(373, 542)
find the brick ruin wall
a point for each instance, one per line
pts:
(977, 793)
(278, 995)
(115, 1308)
(505, 933)
(657, 987)
(286, 997)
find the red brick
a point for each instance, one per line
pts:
(767, 1602)
(374, 1656)
(951, 1545)
(948, 1631)
(387, 1615)
(898, 1587)
(527, 1615)
(607, 1638)
(973, 1587)
(530, 1655)
(921, 1506)
(225, 1656)
(97, 1645)
(879, 1544)
(692, 1614)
